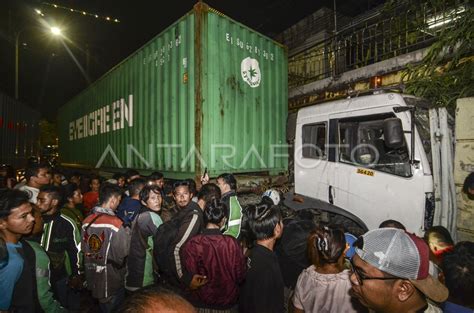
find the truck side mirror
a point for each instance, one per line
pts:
(393, 133)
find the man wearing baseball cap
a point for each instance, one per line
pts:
(390, 273)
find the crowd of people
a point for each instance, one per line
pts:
(135, 244)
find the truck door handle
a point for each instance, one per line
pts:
(331, 198)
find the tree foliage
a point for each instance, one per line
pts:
(447, 70)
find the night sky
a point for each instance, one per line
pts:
(48, 75)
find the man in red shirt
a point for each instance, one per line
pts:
(91, 198)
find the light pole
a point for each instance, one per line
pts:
(54, 30)
(17, 38)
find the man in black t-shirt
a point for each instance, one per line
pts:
(262, 291)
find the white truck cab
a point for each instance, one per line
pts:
(355, 158)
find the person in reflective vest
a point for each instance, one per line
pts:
(228, 186)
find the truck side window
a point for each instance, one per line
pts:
(361, 143)
(314, 141)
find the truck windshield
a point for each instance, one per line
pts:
(362, 143)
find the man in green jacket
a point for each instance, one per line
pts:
(61, 239)
(39, 269)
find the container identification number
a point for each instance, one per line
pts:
(163, 54)
(249, 47)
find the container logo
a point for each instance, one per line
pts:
(110, 117)
(250, 72)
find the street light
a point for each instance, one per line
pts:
(54, 30)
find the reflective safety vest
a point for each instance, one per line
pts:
(235, 218)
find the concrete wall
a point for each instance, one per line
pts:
(464, 165)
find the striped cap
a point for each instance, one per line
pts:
(404, 255)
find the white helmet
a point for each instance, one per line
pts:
(272, 194)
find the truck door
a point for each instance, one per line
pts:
(338, 182)
(369, 179)
(311, 164)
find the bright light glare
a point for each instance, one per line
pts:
(38, 11)
(445, 18)
(56, 31)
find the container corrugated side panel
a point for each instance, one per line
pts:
(18, 131)
(163, 108)
(238, 119)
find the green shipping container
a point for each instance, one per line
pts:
(206, 92)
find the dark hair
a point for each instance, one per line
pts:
(75, 174)
(326, 245)
(145, 192)
(11, 199)
(34, 169)
(136, 186)
(92, 177)
(392, 224)
(180, 183)
(117, 176)
(192, 185)
(229, 180)
(440, 234)
(68, 191)
(150, 298)
(262, 220)
(108, 191)
(458, 269)
(155, 176)
(56, 172)
(209, 192)
(54, 192)
(246, 236)
(266, 200)
(214, 212)
(464, 247)
(468, 183)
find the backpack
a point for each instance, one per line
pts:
(164, 240)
